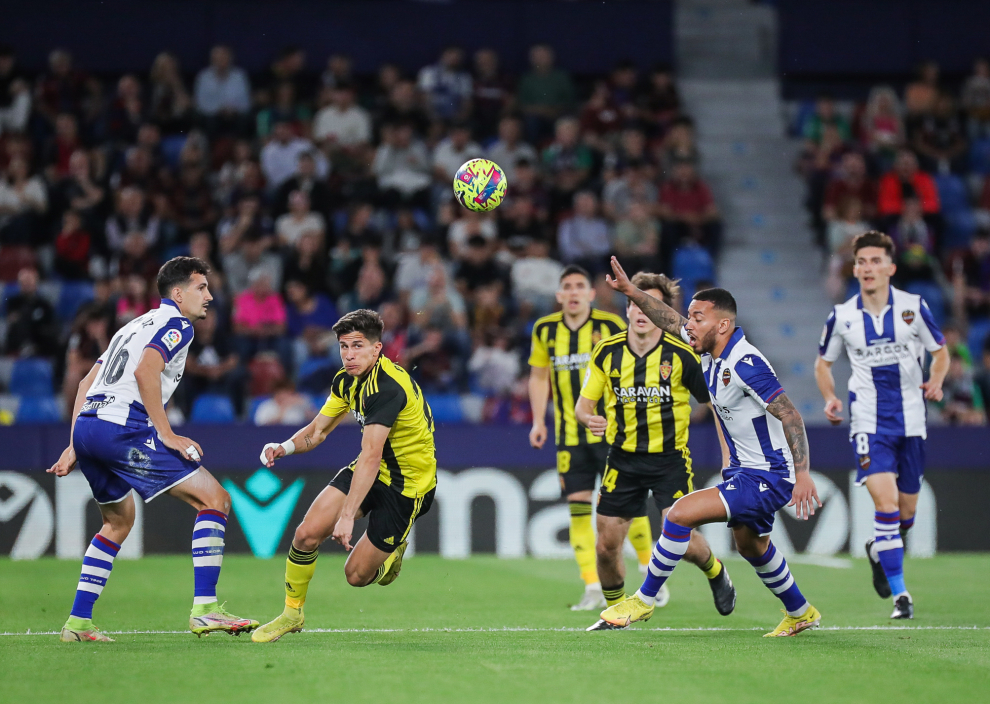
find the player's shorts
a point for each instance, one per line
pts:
(631, 476)
(579, 466)
(904, 456)
(390, 514)
(752, 498)
(117, 458)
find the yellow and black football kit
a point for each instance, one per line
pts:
(407, 476)
(648, 409)
(580, 455)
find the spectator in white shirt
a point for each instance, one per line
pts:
(451, 153)
(510, 148)
(342, 123)
(286, 407)
(299, 221)
(466, 227)
(223, 92)
(447, 86)
(402, 167)
(583, 238)
(534, 279)
(281, 154)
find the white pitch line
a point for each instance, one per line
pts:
(513, 629)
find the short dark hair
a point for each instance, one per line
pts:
(718, 297)
(177, 272)
(367, 322)
(874, 238)
(668, 288)
(575, 269)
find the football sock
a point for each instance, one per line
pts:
(96, 566)
(641, 538)
(712, 567)
(890, 549)
(299, 569)
(613, 595)
(776, 575)
(906, 525)
(668, 552)
(583, 540)
(207, 555)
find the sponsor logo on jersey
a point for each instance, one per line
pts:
(642, 394)
(908, 316)
(359, 417)
(665, 369)
(726, 377)
(883, 353)
(91, 405)
(570, 362)
(615, 373)
(864, 461)
(171, 339)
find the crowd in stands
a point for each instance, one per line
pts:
(915, 165)
(312, 193)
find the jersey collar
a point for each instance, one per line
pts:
(170, 302)
(737, 335)
(890, 299)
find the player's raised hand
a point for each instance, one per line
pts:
(805, 496)
(833, 411)
(597, 425)
(66, 463)
(342, 532)
(619, 281)
(187, 447)
(271, 452)
(933, 390)
(538, 435)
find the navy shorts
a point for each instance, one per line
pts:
(752, 497)
(903, 456)
(117, 458)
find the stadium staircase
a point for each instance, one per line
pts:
(726, 65)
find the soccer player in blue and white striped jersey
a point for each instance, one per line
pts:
(885, 333)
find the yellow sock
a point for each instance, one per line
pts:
(641, 538)
(713, 567)
(299, 569)
(613, 595)
(583, 541)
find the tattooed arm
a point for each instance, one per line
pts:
(805, 495)
(659, 313)
(304, 439)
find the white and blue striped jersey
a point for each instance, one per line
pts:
(114, 396)
(742, 384)
(886, 353)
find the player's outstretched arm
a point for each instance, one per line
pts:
(304, 440)
(805, 494)
(67, 462)
(365, 472)
(826, 385)
(659, 313)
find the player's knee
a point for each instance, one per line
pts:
(221, 500)
(886, 505)
(677, 514)
(306, 539)
(356, 577)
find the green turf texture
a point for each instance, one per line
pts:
(641, 664)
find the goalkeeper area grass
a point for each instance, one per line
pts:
(490, 630)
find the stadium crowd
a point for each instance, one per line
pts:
(916, 165)
(314, 193)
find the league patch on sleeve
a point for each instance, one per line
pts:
(172, 338)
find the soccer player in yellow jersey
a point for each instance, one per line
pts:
(562, 344)
(393, 480)
(646, 378)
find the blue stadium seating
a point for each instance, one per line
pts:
(38, 409)
(979, 156)
(312, 365)
(212, 408)
(952, 193)
(960, 225)
(932, 293)
(692, 264)
(446, 408)
(979, 331)
(71, 298)
(172, 148)
(31, 377)
(253, 406)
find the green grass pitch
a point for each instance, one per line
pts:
(436, 636)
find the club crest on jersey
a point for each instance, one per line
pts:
(726, 377)
(864, 462)
(596, 337)
(908, 316)
(666, 368)
(172, 338)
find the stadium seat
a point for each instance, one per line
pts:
(38, 409)
(253, 406)
(960, 224)
(31, 377)
(72, 296)
(952, 193)
(265, 372)
(979, 156)
(212, 408)
(692, 263)
(172, 148)
(932, 293)
(979, 331)
(313, 365)
(446, 408)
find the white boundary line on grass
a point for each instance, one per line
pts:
(522, 629)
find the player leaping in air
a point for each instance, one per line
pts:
(764, 446)
(121, 439)
(393, 480)
(885, 333)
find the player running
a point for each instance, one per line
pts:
(764, 442)
(885, 333)
(646, 378)
(562, 344)
(393, 480)
(122, 440)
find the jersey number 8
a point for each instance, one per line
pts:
(862, 444)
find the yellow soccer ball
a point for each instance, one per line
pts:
(479, 185)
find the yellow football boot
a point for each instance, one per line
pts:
(289, 621)
(627, 611)
(792, 625)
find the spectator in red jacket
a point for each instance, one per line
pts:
(903, 181)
